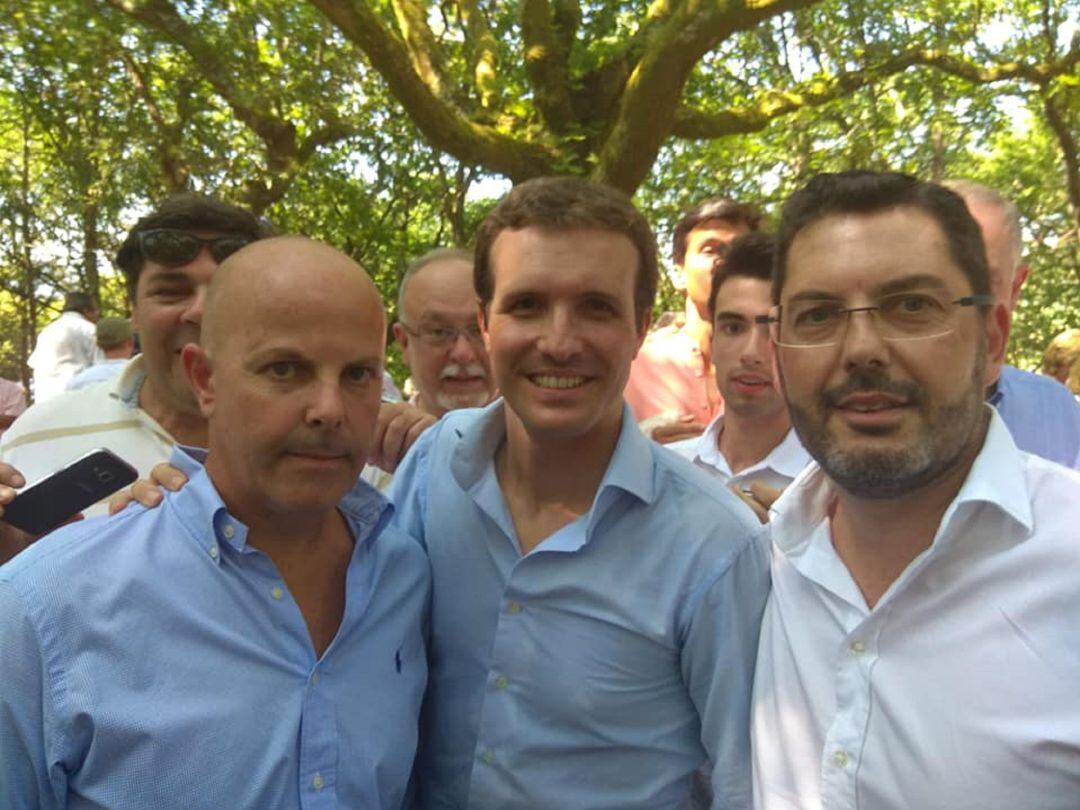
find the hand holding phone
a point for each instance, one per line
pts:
(59, 497)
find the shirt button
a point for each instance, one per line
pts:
(318, 782)
(502, 682)
(213, 552)
(228, 531)
(514, 608)
(840, 759)
(314, 679)
(488, 757)
(276, 592)
(857, 647)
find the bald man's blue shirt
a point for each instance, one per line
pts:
(601, 668)
(155, 660)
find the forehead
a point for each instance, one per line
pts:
(743, 295)
(443, 286)
(550, 261)
(715, 230)
(848, 253)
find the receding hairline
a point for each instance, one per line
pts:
(986, 197)
(436, 255)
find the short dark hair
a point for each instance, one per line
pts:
(866, 192)
(76, 301)
(569, 203)
(187, 212)
(718, 208)
(748, 256)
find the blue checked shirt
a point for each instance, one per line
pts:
(600, 669)
(155, 661)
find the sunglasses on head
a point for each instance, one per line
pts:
(172, 247)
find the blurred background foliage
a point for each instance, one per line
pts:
(387, 127)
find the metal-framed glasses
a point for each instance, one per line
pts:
(900, 316)
(441, 335)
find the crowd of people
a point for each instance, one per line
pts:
(809, 545)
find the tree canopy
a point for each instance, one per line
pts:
(382, 126)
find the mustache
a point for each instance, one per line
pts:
(318, 444)
(872, 381)
(459, 370)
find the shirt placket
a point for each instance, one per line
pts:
(845, 741)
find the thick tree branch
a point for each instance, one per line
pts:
(646, 111)
(484, 62)
(774, 103)
(443, 124)
(1067, 142)
(547, 64)
(424, 51)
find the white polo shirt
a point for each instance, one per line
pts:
(961, 687)
(777, 469)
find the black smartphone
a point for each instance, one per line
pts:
(66, 492)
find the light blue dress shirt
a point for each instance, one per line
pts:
(601, 668)
(155, 660)
(1041, 414)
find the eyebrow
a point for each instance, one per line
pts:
(728, 315)
(169, 276)
(917, 281)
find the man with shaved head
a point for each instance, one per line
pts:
(257, 641)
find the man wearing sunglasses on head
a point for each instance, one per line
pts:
(167, 260)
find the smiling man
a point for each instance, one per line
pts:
(439, 335)
(596, 599)
(258, 640)
(752, 441)
(919, 648)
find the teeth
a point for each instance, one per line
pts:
(550, 381)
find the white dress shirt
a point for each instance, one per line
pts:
(64, 348)
(961, 687)
(776, 470)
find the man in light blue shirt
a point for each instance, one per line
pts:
(596, 599)
(256, 642)
(1041, 414)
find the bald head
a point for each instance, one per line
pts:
(289, 377)
(280, 272)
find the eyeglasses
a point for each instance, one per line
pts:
(445, 335)
(900, 316)
(172, 247)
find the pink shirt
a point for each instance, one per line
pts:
(671, 375)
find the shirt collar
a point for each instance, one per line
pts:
(996, 478)
(126, 384)
(200, 507)
(788, 458)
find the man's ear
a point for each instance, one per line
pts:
(200, 376)
(401, 336)
(482, 321)
(997, 325)
(643, 329)
(1019, 277)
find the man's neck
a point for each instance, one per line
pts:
(746, 441)
(185, 428)
(548, 484)
(697, 326)
(877, 538)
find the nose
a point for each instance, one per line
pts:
(193, 312)
(559, 339)
(326, 408)
(462, 350)
(755, 348)
(861, 343)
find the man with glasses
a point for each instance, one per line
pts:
(167, 260)
(752, 441)
(439, 335)
(919, 647)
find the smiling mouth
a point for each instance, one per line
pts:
(870, 404)
(556, 382)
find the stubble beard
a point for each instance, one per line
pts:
(947, 434)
